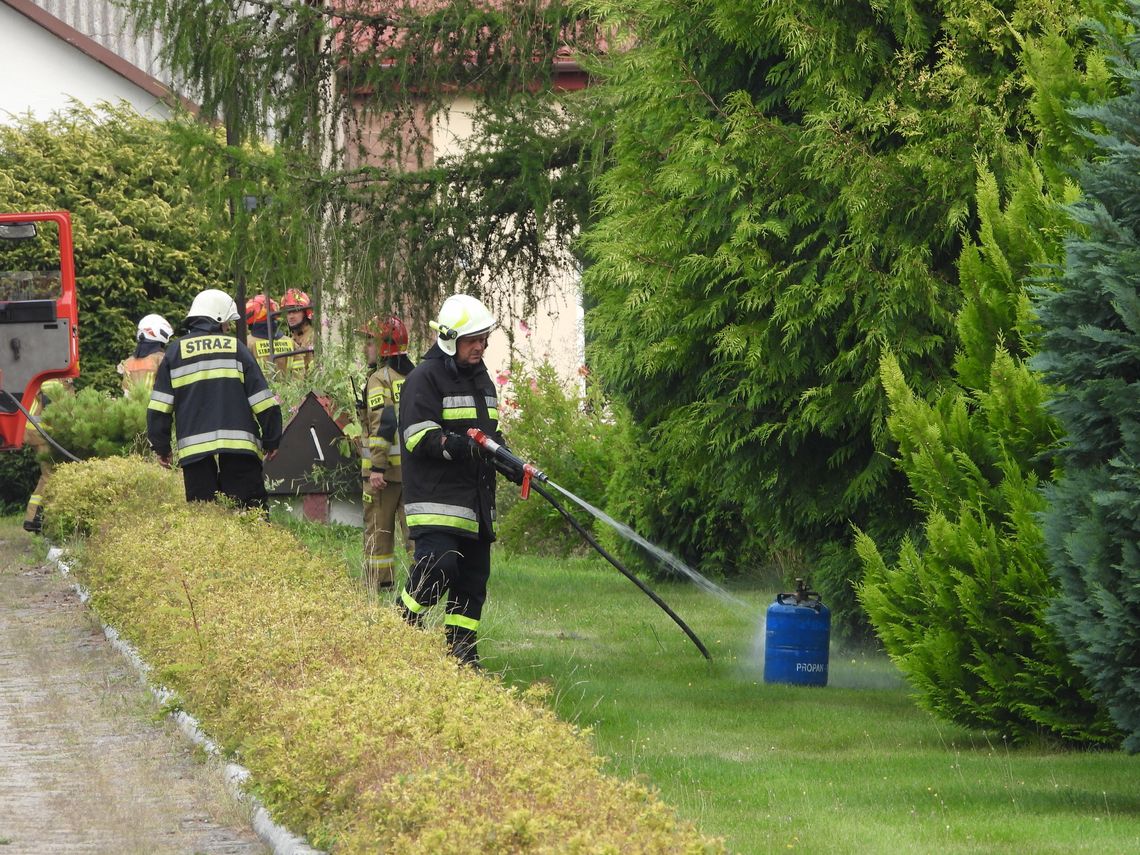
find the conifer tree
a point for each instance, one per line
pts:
(790, 186)
(963, 608)
(321, 79)
(1090, 353)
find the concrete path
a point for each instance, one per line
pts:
(87, 763)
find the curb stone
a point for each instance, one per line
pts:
(275, 836)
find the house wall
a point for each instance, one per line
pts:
(41, 73)
(554, 332)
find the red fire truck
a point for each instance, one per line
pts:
(39, 313)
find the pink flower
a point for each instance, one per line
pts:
(503, 377)
(525, 328)
(533, 385)
(583, 371)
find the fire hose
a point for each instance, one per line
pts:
(511, 465)
(34, 422)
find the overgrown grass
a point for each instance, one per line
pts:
(854, 767)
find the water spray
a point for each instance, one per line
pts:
(527, 475)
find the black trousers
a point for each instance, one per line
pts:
(459, 567)
(238, 476)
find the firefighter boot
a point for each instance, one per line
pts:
(36, 524)
(463, 644)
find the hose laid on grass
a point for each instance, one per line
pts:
(537, 485)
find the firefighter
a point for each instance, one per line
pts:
(299, 315)
(386, 347)
(449, 489)
(259, 324)
(210, 388)
(49, 391)
(152, 336)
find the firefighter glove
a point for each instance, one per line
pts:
(510, 471)
(459, 447)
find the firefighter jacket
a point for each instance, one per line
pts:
(379, 437)
(50, 390)
(265, 350)
(211, 389)
(142, 366)
(32, 436)
(454, 496)
(302, 340)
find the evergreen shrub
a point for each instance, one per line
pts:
(80, 494)
(961, 605)
(361, 733)
(962, 610)
(1090, 353)
(95, 423)
(19, 472)
(576, 438)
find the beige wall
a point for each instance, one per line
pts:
(554, 332)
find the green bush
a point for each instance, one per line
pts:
(1089, 354)
(19, 472)
(79, 495)
(576, 438)
(94, 423)
(144, 240)
(961, 605)
(360, 731)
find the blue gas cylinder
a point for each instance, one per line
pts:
(796, 639)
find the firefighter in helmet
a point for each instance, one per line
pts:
(266, 339)
(386, 348)
(211, 390)
(151, 338)
(449, 488)
(299, 315)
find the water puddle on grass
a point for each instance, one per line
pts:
(667, 558)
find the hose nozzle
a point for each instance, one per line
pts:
(511, 461)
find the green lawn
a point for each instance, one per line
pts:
(853, 767)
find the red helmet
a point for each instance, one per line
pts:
(295, 299)
(255, 309)
(390, 333)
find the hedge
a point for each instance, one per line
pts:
(360, 732)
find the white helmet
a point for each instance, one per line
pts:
(155, 328)
(215, 305)
(461, 315)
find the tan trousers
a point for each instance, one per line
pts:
(382, 510)
(34, 512)
(36, 500)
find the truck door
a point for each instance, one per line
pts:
(39, 335)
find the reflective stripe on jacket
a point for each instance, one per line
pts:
(211, 389)
(379, 438)
(457, 496)
(266, 352)
(139, 369)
